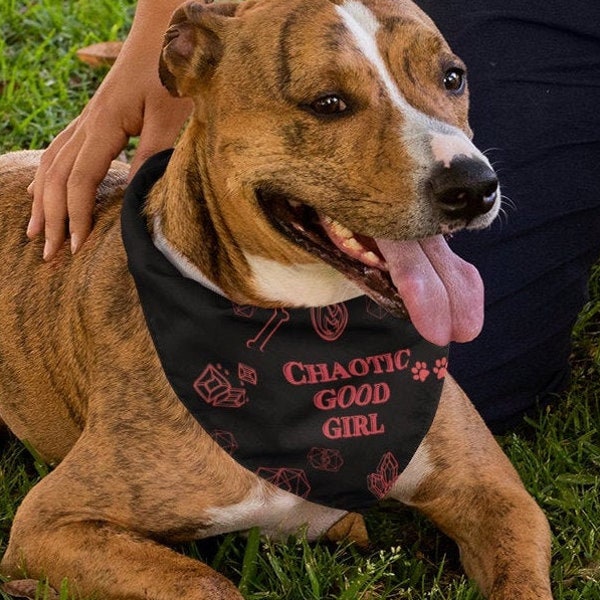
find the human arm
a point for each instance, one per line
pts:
(130, 101)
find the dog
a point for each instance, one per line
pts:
(327, 156)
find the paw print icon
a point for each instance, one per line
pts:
(420, 372)
(441, 367)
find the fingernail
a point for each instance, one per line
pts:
(47, 250)
(75, 243)
(29, 231)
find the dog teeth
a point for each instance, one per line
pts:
(372, 259)
(342, 231)
(345, 240)
(352, 244)
(337, 228)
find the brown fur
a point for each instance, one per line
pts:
(80, 379)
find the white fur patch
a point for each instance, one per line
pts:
(180, 262)
(418, 126)
(277, 512)
(417, 470)
(363, 25)
(446, 147)
(313, 284)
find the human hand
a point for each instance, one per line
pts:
(130, 101)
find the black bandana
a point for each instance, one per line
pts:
(328, 403)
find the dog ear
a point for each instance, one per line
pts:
(192, 45)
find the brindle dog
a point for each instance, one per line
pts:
(353, 112)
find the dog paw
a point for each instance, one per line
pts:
(351, 527)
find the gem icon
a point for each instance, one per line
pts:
(381, 482)
(225, 439)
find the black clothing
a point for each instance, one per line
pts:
(534, 77)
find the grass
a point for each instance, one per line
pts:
(42, 84)
(42, 87)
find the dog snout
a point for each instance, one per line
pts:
(465, 189)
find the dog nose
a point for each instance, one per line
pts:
(466, 189)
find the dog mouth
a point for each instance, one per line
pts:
(356, 256)
(419, 279)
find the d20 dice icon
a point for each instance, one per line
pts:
(325, 459)
(214, 388)
(290, 480)
(225, 439)
(381, 482)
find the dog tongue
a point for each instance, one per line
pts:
(443, 294)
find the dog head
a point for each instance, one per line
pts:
(335, 132)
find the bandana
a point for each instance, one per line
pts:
(328, 403)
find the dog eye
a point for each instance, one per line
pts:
(329, 105)
(454, 80)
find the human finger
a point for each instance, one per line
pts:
(53, 194)
(88, 171)
(36, 187)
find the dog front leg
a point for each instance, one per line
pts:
(102, 560)
(462, 481)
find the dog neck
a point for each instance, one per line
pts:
(178, 260)
(185, 215)
(290, 283)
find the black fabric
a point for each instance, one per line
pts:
(327, 403)
(534, 76)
